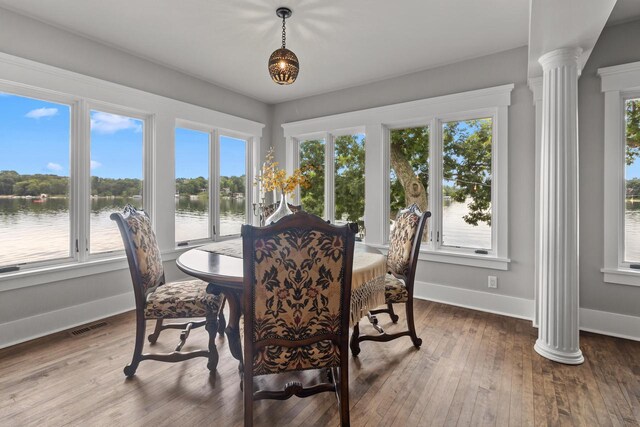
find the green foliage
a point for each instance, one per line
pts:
(312, 161)
(349, 178)
(633, 188)
(12, 183)
(413, 144)
(632, 116)
(467, 164)
(125, 187)
(234, 184)
(191, 185)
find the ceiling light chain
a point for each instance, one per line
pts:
(284, 33)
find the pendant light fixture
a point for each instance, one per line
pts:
(283, 64)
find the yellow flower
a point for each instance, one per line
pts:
(273, 178)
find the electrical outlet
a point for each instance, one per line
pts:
(493, 282)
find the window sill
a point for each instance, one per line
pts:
(622, 276)
(70, 270)
(452, 257)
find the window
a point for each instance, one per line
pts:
(621, 86)
(447, 154)
(116, 175)
(349, 152)
(34, 180)
(466, 184)
(409, 161)
(233, 185)
(192, 185)
(75, 159)
(312, 160)
(632, 182)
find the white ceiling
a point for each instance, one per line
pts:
(340, 43)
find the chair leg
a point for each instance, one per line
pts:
(156, 332)
(355, 342)
(344, 397)
(392, 314)
(130, 369)
(212, 328)
(247, 390)
(417, 342)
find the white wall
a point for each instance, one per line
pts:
(31, 311)
(498, 69)
(617, 45)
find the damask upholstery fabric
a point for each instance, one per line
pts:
(297, 295)
(146, 250)
(399, 255)
(273, 359)
(394, 290)
(181, 299)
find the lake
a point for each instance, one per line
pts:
(32, 230)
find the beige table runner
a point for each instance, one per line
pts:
(367, 278)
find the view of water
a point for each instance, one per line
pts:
(33, 230)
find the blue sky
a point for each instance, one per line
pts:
(192, 154)
(34, 138)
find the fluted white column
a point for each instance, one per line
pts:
(558, 331)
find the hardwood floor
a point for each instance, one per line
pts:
(473, 369)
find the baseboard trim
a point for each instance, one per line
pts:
(607, 323)
(28, 328)
(596, 321)
(520, 308)
(600, 322)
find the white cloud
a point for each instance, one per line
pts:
(111, 123)
(39, 113)
(95, 164)
(54, 166)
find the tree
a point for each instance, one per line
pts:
(349, 178)
(632, 117)
(467, 164)
(312, 161)
(410, 168)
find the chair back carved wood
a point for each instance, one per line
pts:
(297, 296)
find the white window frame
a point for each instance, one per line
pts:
(619, 83)
(74, 104)
(329, 139)
(84, 171)
(491, 102)
(215, 135)
(212, 137)
(23, 77)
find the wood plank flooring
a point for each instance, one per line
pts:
(473, 369)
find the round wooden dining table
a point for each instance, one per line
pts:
(220, 264)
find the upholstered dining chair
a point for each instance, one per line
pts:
(156, 299)
(402, 260)
(297, 298)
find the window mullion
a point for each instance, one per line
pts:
(329, 178)
(214, 184)
(81, 180)
(435, 183)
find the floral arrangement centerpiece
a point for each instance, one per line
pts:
(275, 179)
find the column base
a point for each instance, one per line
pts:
(574, 358)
